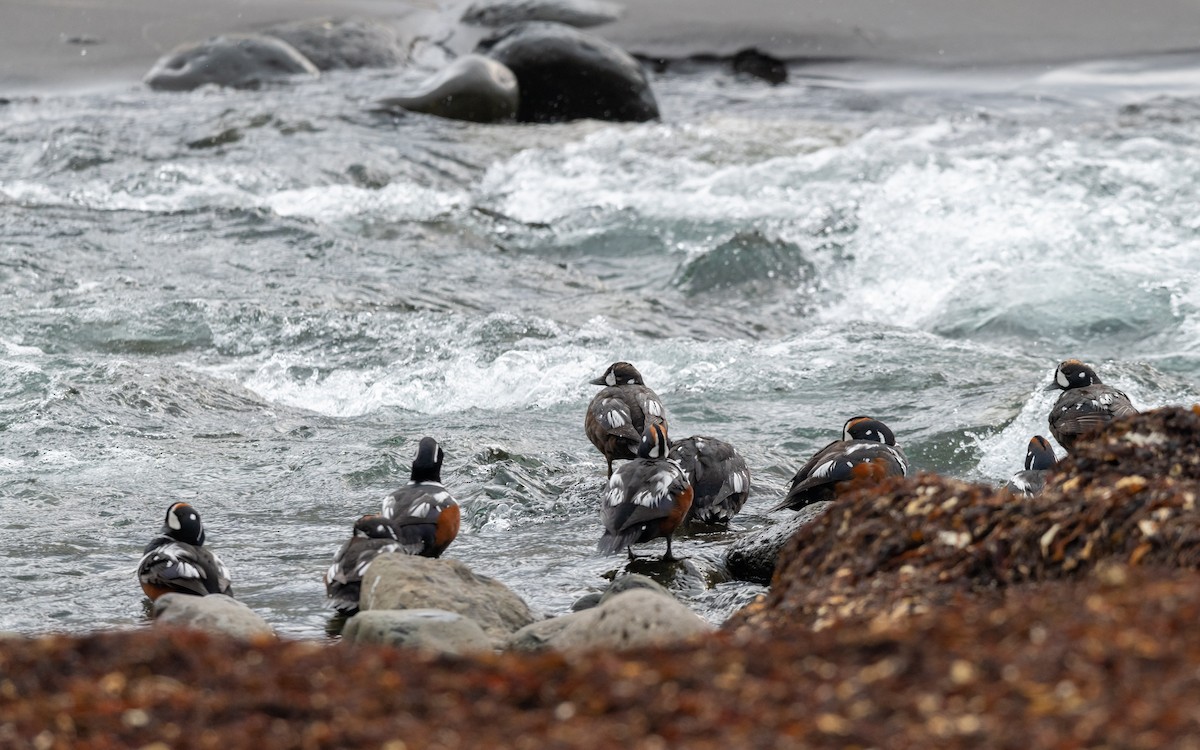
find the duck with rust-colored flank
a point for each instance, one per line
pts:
(646, 498)
(1085, 403)
(425, 515)
(619, 413)
(373, 535)
(1039, 460)
(176, 561)
(719, 477)
(867, 451)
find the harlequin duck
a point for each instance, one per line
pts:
(620, 412)
(425, 515)
(647, 498)
(719, 477)
(1039, 460)
(373, 535)
(1085, 403)
(867, 450)
(176, 561)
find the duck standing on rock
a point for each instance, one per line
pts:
(1039, 460)
(618, 415)
(1085, 403)
(719, 477)
(425, 515)
(373, 535)
(176, 561)
(647, 498)
(867, 450)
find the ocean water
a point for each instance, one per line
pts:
(259, 302)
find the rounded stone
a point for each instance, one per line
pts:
(215, 613)
(473, 87)
(426, 629)
(565, 74)
(752, 558)
(234, 60)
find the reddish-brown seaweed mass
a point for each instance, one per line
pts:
(929, 614)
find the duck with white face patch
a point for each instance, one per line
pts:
(1039, 461)
(867, 451)
(426, 517)
(646, 498)
(619, 413)
(176, 561)
(1085, 404)
(373, 535)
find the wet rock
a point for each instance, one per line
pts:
(215, 613)
(565, 74)
(427, 629)
(587, 601)
(752, 557)
(234, 60)
(758, 64)
(396, 581)
(473, 87)
(342, 43)
(578, 13)
(631, 582)
(1127, 495)
(627, 582)
(630, 619)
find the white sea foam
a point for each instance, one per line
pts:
(187, 187)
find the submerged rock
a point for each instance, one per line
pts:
(397, 581)
(343, 43)
(578, 13)
(565, 74)
(473, 87)
(757, 64)
(426, 629)
(234, 60)
(215, 613)
(630, 619)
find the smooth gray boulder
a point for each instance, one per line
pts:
(752, 558)
(235, 60)
(427, 629)
(630, 619)
(578, 13)
(336, 43)
(565, 74)
(473, 87)
(397, 581)
(215, 613)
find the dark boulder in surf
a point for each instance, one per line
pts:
(565, 74)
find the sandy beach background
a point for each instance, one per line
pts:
(55, 44)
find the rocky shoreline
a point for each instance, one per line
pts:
(929, 611)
